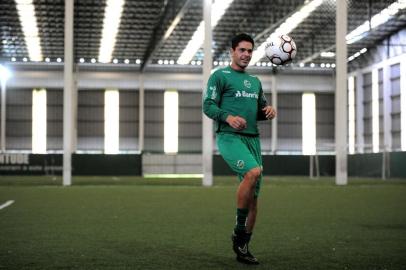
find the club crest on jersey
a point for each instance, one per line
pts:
(247, 83)
(240, 164)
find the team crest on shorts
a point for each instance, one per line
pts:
(240, 164)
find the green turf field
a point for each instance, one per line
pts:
(135, 223)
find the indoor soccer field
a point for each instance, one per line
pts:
(140, 223)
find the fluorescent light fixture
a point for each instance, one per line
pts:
(351, 114)
(39, 121)
(327, 54)
(309, 124)
(378, 19)
(5, 74)
(171, 101)
(375, 111)
(111, 24)
(111, 122)
(357, 54)
(286, 27)
(218, 9)
(28, 20)
(403, 105)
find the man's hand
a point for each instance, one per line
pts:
(236, 122)
(269, 112)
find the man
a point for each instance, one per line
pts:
(235, 100)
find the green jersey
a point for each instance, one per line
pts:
(236, 93)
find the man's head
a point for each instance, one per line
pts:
(242, 46)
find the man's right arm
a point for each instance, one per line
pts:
(212, 98)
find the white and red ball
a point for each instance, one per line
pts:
(281, 49)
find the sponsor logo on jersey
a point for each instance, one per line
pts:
(247, 83)
(246, 94)
(226, 71)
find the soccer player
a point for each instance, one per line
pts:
(235, 100)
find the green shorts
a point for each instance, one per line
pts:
(242, 153)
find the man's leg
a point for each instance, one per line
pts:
(252, 215)
(246, 215)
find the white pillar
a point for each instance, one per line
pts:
(359, 114)
(141, 115)
(3, 116)
(274, 138)
(68, 95)
(387, 109)
(403, 103)
(341, 94)
(207, 130)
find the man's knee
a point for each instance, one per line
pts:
(253, 174)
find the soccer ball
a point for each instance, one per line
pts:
(280, 49)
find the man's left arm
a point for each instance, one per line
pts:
(265, 111)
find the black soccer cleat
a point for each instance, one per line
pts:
(240, 247)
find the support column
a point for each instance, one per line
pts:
(141, 115)
(341, 94)
(274, 138)
(387, 123)
(3, 116)
(207, 130)
(359, 113)
(68, 95)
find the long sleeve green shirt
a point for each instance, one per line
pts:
(231, 92)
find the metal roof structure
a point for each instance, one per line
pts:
(144, 23)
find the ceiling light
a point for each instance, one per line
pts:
(58, 60)
(47, 59)
(327, 54)
(215, 63)
(111, 24)
(218, 8)
(115, 61)
(171, 62)
(138, 61)
(25, 59)
(81, 60)
(28, 20)
(301, 64)
(13, 59)
(160, 62)
(285, 28)
(312, 65)
(5, 73)
(126, 61)
(93, 60)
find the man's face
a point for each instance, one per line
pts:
(242, 54)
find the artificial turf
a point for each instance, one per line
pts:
(136, 223)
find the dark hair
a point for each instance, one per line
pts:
(241, 37)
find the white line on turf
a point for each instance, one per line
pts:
(4, 205)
